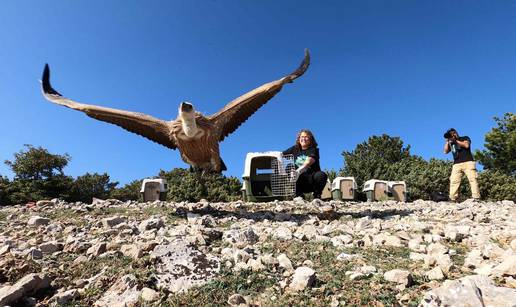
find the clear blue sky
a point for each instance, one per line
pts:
(406, 68)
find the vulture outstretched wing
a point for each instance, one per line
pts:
(154, 129)
(239, 110)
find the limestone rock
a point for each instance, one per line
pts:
(475, 290)
(401, 277)
(341, 240)
(236, 299)
(131, 250)
(38, 221)
(110, 222)
(241, 237)
(393, 241)
(436, 249)
(306, 232)
(303, 277)
(26, 285)
(97, 249)
(346, 257)
(282, 234)
(180, 266)
(50, 247)
(62, 298)
(506, 268)
(473, 259)
(42, 203)
(435, 274)
(255, 265)
(5, 249)
(152, 223)
(123, 293)
(149, 295)
(284, 262)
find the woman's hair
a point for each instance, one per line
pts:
(313, 142)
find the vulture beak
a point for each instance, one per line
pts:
(185, 107)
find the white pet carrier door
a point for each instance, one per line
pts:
(282, 181)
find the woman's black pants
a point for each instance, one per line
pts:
(311, 182)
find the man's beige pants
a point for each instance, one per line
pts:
(469, 168)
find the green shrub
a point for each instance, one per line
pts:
(372, 159)
(38, 175)
(500, 152)
(4, 191)
(130, 191)
(185, 185)
(384, 158)
(88, 186)
(496, 185)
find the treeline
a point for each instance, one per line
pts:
(39, 174)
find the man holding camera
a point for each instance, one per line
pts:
(463, 162)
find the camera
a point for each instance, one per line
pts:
(447, 134)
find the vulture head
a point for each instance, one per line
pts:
(195, 135)
(186, 114)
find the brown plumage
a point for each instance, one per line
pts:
(196, 136)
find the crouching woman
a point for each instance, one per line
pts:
(308, 172)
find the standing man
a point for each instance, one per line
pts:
(463, 162)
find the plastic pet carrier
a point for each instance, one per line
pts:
(376, 190)
(267, 177)
(153, 189)
(344, 188)
(398, 190)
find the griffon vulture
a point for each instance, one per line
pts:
(196, 136)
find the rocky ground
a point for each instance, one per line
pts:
(111, 253)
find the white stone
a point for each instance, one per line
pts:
(151, 223)
(131, 250)
(236, 300)
(417, 256)
(124, 292)
(513, 245)
(346, 257)
(473, 290)
(62, 298)
(367, 269)
(413, 244)
(282, 234)
(149, 295)
(284, 262)
(506, 268)
(473, 259)
(303, 277)
(435, 274)
(444, 262)
(38, 221)
(255, 265)
(400, 277)
(27, 284)
(5, 249)
(436, 249)
(180, 266)
(97, 249)
(110, 222)
(49, 247)
(341, 240)
(393, 241)
(241, 237)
